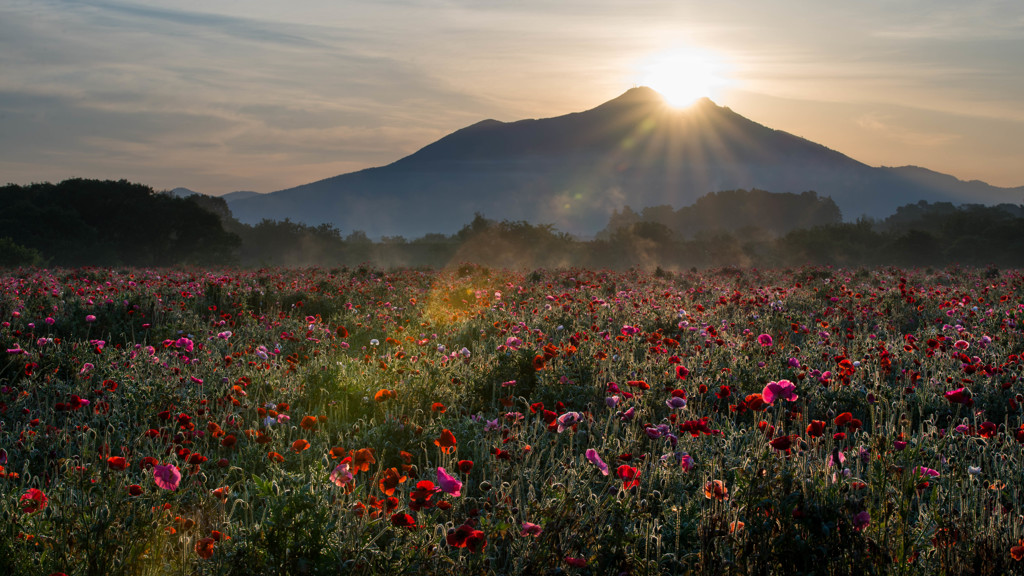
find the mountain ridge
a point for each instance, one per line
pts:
(573, 170)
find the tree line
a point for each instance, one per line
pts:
(110, 223)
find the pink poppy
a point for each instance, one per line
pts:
(764, 340)
(341, 474)
(448, 483)
(167, 476)
(530, 529)
(781, 390)
(591, 455)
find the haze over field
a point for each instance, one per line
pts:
(264, 96)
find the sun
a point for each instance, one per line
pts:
(684, 75)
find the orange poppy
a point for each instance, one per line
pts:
(275, 457)
(383, 394)
(361, 460)
(390, 480)
(299, 445)
(308, 423)
(337, 452)
(1017, 552)
(446, 442)
(716, 490)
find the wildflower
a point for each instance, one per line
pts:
(1017, 552)
(422, 496)
(90, 318)
(682, 372)
(816, 428)
(448, 483)
(300, 445)
(530, 529)
(594, 459)
(736, 526)
(959, 396)
(765, 340)
(307, 423)
(341, 475)
(465, 466)
(467, 536)
(781, 390)
(33, 501)
(167, 476)
(361, 460)
(716, 490)
(135, 490)
(446, 442)
(629, 476)
(861, 520)
(204, 547)
(576, 562)
(390, 480)
(568, 420)
(686, 462)
(676, 402)
(403, 521)
(275, 457)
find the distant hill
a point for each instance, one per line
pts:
(574, 171)
(239, 195)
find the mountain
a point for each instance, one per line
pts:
(182, 192)
(239, 195)
(574, 170)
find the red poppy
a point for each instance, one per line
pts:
(135, 490)
(465, 466)
(438, 407)
(782, 443)
(843, 419)
(117, 463)
(816, 428)
(204, 547)
(300, 445)
(308, 423)
(629, 476)
(421, 498)
(337, 452)
(467, 536)
(274, 456)
(33, 501)
(403, 521)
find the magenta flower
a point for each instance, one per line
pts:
(341, 475)
(687, 462)
(567, 420)
(675, 402)
(591, 455)
(927, 471)
(167, 476)
(90, 318)
(448, 483)
(861, 520)
(531, 529)
(764, 340)
(781, 390)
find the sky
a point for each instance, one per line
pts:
(264, 95)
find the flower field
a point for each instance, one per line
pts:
(482, 421)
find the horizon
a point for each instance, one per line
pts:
(265, 97)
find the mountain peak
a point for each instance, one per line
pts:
(646, 96)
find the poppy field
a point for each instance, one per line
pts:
(483, 421)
